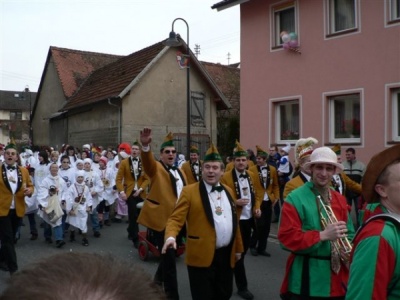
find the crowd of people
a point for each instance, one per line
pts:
(219, 211)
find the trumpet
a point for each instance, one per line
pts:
(342, 245)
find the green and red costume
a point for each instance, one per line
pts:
(375, 260)
(308, 269)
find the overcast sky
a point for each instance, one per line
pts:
(29, 27)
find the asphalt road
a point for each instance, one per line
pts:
(264, 274)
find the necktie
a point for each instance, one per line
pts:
(134, 159)
(243, 176)
(11, 168)
(172, 168)
(218, 188)
(263, 168)
(195, 164)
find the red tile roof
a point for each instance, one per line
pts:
(112, 79)
(227, 78)
(74, 66)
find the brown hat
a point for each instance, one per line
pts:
(375, 167)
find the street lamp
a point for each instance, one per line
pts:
(173, 41)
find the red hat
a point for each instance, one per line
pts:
(104, 160)
(125, 147)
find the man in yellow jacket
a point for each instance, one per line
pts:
(15, 184)
(213, 237)
(167, 183)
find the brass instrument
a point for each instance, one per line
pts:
(342, 245)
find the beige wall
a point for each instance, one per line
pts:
(51, 100)
(159, 101)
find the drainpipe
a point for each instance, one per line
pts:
(119, 107)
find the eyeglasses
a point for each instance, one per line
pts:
(169, 151)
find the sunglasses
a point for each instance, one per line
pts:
(65, 162)
(169, 151)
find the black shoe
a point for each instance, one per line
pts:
(49, 241)
(85, 242)
(4, 267)
(72, 236)
(116, 220)
(60, 243)
(34, 236)
(264, 253)
(245, 294)
(253, 251)
(97, 234)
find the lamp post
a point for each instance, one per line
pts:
(30, 114)
(173, 41)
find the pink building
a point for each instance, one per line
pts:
(343, 88)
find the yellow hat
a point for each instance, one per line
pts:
(168, 141)
(239, 150)
(337, 149)
(261, 151)
(194, 149)
(212, 154)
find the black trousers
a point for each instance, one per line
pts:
(133, 214)
(240, 272)
(259, 237)
(214, 282)
(8, 228)
(166, 272)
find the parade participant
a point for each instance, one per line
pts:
(71, 152)
(132, 183)
(248, 202)
(269, 187)
(354, 169)
(78, 205)
(15, 184)
(193, 167)
(302, 151)
(54, 157)
(42, 168)
(1, 153)
(31, 209)
(274, 156)
(284, 172)
(317, 265)
(230, 166)
(96, 187)
(107, 176)
(51, 196)
(65, 171)
(121, 209)
(110, 154)
(376, 250)
(208, 209)
(166, 186)
(96, 161)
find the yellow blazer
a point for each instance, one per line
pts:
(6, 194)
(194, 208)
(273, 187)
(187, 169)
(126, 182)
(162, 197)
(293, 184)
(256, 198)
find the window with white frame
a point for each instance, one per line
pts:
(288, 120)
(284, 19)
(198, 109)
(341, 16)
(394, 11)
(345, 118)
(395, 98)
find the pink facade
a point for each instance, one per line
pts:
(344, 87)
